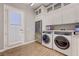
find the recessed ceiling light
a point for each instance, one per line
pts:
(32, 4)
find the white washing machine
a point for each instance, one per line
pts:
(47, 37)
(62, 42)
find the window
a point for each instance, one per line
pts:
(49, 9)
(15, 18)
(39, 11)
(57, 6)
(66, 4)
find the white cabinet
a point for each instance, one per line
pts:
(41, 10)
(49, 18)
(78, 45)
(41, 16)
(60, 14)
(49, 15)
(57, 17)
(53, 18)
(77, 41)
(77, 11)
(75, 45)
(68, 14)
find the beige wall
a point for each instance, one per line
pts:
(28, 19)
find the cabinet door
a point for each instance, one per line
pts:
(49, 18)
(68, 13)
(74, 45)
(57, 18)
(77, 11)
(77, 44)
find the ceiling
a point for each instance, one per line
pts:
(36, 5)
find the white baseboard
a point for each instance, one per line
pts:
(16, 46)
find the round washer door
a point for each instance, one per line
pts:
(46, 39)
(62, 42)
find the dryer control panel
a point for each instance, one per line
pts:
(63, 33)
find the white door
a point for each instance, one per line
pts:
(15, 26)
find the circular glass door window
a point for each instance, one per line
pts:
(46, 38)
(61, 42)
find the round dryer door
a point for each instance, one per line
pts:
(46, 38)
(61, 42)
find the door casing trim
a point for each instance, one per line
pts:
(5, 32)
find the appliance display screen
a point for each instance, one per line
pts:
(77, 28)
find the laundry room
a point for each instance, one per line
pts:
(39, 29)
(58, 28)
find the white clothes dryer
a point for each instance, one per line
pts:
(62, 42)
